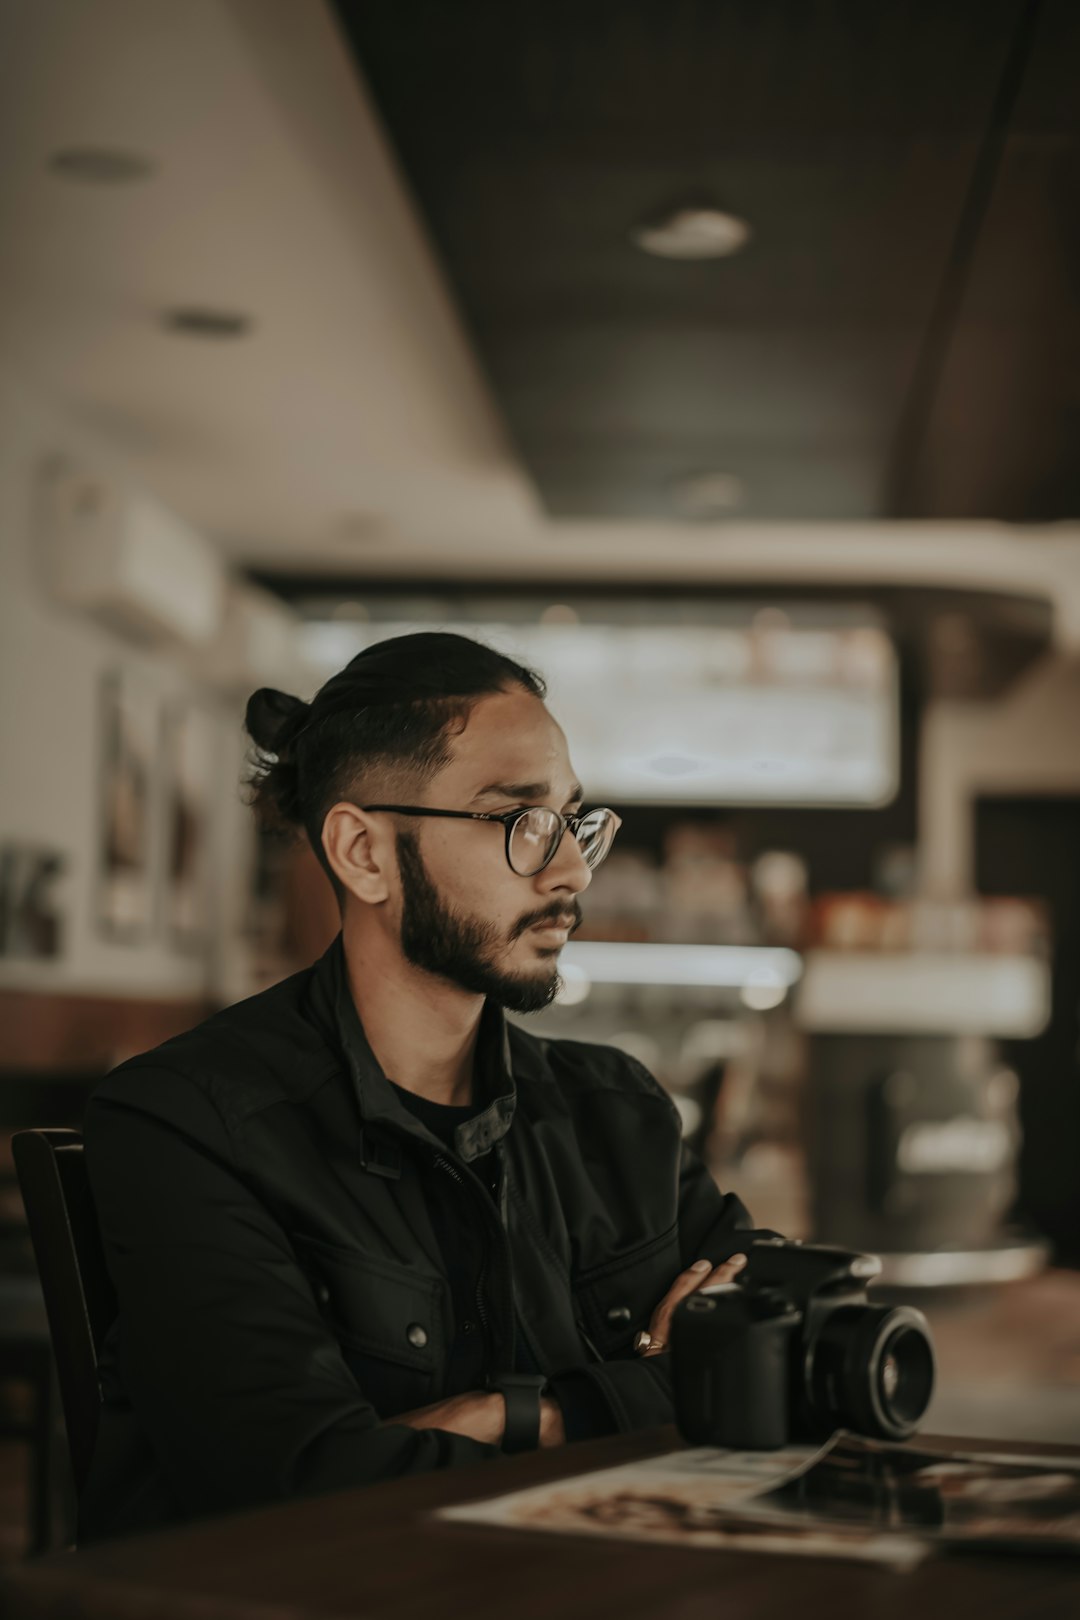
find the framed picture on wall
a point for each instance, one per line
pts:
(31, 917)
(124, 890)
(188, 741)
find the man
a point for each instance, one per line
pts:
(359, 1226)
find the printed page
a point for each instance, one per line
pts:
(1015, 1503)
(699, 1497)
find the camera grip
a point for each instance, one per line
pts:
(742, 1243)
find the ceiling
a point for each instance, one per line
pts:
(353, 411)
(464, 372)
(901, 336)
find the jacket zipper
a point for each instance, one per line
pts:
(481, 1308)
(593, 1351)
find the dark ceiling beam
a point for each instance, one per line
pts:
(941, 326)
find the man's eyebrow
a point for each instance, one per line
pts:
(524, 790)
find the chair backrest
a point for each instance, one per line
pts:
(32, 1099)
(80, 1302)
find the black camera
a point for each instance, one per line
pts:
(794, 1351)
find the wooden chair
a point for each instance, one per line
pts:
(80, 1302)
(27, 1329)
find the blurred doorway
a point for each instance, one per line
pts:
(1031, 846)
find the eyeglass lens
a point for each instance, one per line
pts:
(537, 833)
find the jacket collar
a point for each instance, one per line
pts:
(493, 1079)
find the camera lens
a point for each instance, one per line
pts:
(905, 1377)
(871, 1369)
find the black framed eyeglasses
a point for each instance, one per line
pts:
(533, 835)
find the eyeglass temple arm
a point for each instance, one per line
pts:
(424, 810)
(571, 822)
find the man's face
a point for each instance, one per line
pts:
(465, 915)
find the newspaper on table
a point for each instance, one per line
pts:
(851, 1498)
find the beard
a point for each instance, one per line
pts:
(441, 941)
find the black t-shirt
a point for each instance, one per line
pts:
(464, 1252)
(442, 1120)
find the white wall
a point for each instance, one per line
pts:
(51, 664)
(1028, 743)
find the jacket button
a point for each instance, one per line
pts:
(416, 1335)
(618, 1314)
(322, 1294)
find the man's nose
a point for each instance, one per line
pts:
(567, 868)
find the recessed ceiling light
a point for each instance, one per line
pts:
(100, 165)
(361, 528)
(207, 323)
(708, 494)
(771, 620)
(560, 613)
(696, 232)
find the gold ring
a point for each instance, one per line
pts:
(644, 1342)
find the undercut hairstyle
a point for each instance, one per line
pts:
(394, 707)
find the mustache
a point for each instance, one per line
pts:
(551, 914)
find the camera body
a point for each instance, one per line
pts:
(794, 1350)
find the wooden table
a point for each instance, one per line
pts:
(378, 1553)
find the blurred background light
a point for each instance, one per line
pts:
(707, 494)
(763, 990)
(768, 706)
(574, 984)
(693, 233)
(724, 966)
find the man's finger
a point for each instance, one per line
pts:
(725, 1272)
(700, 1275)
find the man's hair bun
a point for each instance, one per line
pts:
(272, 717)
(393, 710)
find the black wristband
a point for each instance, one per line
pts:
(521, 1392)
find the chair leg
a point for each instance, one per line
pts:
(66, 1511)
(42, 1458)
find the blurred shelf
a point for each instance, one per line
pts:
(840, 992)
(1003, 1262)
(728, 967)
(923, 993)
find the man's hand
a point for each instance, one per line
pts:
(481, 1415)
(552, 1429)
(702, 1274)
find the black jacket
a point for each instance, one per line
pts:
(261, 1193)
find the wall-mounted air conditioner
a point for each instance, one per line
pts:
(127, 561)
(257, 644)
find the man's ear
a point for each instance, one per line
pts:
(360, 852)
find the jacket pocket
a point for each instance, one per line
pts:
(617, 1299)
(375, 1306)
